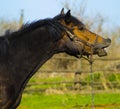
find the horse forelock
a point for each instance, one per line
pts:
(73, 20)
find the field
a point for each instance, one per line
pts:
(57, 90)
(56, 96)
(70, 101)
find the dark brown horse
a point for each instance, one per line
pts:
(23, 52)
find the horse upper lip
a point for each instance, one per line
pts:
(100, 46)
(106, 43)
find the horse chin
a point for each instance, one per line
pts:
(100, 48)
(101, 52)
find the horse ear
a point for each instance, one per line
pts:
(62, 11)
(68, 17)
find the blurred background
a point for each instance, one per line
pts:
(64, 82)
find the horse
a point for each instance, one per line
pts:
(24, 51)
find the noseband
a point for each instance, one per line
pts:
(92, 46)
(74, 38)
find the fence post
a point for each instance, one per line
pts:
(104, 82)
(77, 83)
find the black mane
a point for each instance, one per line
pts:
(29, 27)
(32, 26)
(54, 27)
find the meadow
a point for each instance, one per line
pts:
(70, 101)
(55, 94)
(71, 90)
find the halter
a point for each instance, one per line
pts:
(74, 38)
(59, 27)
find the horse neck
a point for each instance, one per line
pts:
(28, 53)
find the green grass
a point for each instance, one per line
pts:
(52, 79)
(67, 101)
(49, 83)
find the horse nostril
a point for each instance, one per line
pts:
(108, 41)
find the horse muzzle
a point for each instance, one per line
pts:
(99, 49)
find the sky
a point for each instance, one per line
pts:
(40, 9)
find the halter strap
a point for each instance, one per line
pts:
(74, 38)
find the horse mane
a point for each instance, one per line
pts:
(3, 47)
(54, 28)
(32, 26)
(27, 27)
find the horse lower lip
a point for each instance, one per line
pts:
(102, 52)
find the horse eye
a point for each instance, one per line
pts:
(81, 28)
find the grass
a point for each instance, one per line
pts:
(68, 101)
(47, 83)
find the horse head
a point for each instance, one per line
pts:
(83, 41)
